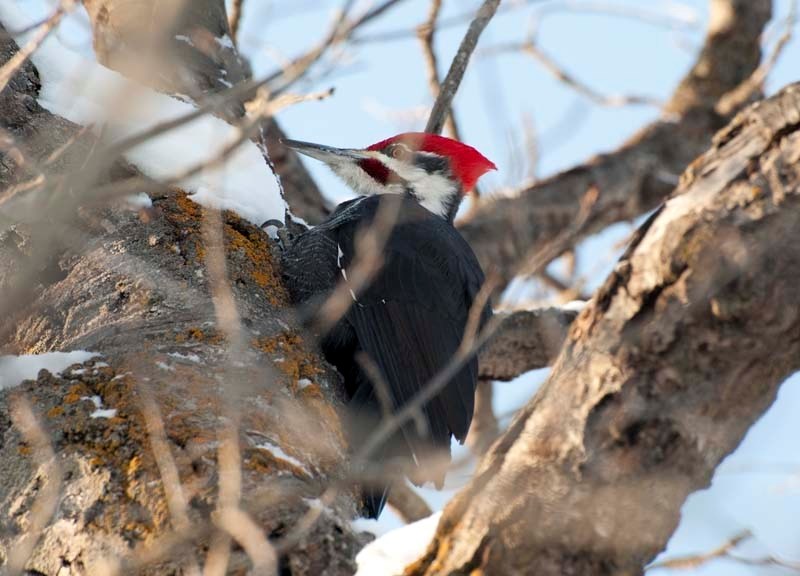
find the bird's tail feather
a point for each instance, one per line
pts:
(383, 469)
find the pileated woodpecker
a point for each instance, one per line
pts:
(410, 319)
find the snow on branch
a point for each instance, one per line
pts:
(86, 93)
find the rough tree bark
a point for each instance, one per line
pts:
(682, 349)
(641, 173)
(132, 285)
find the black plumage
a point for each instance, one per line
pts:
(409, 320)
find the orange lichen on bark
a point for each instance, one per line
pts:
(55, 412)
(293, 358)
(254, 244)
(75, 393)
(118, 445)
(195, 334)
(188, 211)
(258, 266)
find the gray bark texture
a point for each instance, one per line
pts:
(133, 286)
(681, 350)
(524, 341)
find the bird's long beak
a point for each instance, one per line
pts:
(327, 154)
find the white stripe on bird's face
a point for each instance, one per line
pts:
(435, 191)
(361, 182)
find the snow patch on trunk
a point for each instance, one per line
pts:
(15, 369)
(87, 93)
(392, 552)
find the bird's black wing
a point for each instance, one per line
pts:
(310, 266)
(410, 321)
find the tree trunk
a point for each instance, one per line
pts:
(133, 285)
(682, 349)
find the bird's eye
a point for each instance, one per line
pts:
(398, 151)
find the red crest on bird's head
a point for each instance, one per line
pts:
(466, 163)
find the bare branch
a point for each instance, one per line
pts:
(754, 85)
(525, 340)
(46, 501)
(235, 18)
(459, 66)
(533, 50)
(695, 561)
(639, 175)
(10, 68)
(408, 504)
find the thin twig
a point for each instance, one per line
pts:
(663, 19)
(250, 128)
(755, 83)
(425, 33)
(341, 31)
(228, 515)
(725, 551)
(235, 19)
(17, 60)
(219, 553)
(530, 48)
(44, 507)
(170, 479)
(697, 560)
(369, 245)
(459, 66)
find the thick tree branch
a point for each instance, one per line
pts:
(640, 174)
(525, 340)
(682, 349)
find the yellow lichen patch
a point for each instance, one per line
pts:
(254, 243)
(24, 449)
(75, 393)
(311, 391)
(134, 464)
(294, 360)
(195, 334)
(187, 215)
(55, 412)
(188, 211)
